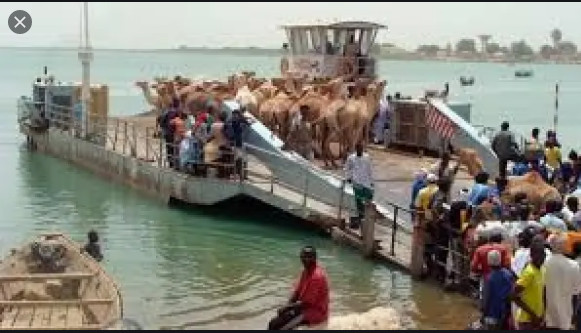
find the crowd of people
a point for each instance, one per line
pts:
(521, 261)
(545, 158)
(209, 136)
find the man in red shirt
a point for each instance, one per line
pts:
(309, 303)
(479, 264)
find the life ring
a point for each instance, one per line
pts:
(284, 66)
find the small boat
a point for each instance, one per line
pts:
(523, 73)
(51, 283)
(466, 81)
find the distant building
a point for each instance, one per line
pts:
(387, 49)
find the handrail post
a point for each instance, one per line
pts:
(306, 186)
(71, 122)
(124, 136)
(160, 159)
(147, 143)
(341, 197)
(116, 133)
(134, 147)
(241, 162)
(418, 244)
(368, 230)
(394, 229)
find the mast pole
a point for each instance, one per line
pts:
(556, 116)
(85, 55)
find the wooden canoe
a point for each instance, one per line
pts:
(50, 284)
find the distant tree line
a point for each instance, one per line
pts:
(516, 49)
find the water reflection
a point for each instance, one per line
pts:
(61, 195)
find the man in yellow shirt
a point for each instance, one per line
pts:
(425, 195)
(553, 156)
(529, 290)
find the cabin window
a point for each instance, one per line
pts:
(297, 46)
(316, 45)
(352, 43)
(339, 40)
(289, 38)
(329, 42)
(366, 40)
(332, 41)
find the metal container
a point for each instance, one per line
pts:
(409, 127)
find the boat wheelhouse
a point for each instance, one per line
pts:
(323, 51)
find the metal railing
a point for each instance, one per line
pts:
(277, 172)
(451, 260)
(397, 227)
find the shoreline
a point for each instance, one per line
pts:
(251, 51)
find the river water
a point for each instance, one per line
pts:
(228, 267)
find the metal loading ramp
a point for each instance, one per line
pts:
(467, 136)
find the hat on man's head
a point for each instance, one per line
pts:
(432, 178)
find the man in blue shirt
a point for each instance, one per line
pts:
(238, 124)
(418, 184)
(480, 191)
(496, 294)
(520, 168)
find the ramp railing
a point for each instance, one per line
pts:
(291, 171)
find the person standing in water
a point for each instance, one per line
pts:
(92, 247)
(358, 171)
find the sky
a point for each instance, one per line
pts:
(159, 25)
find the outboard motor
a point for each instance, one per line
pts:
(50, 255)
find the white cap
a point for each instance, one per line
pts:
(558, 242)
(432, 178)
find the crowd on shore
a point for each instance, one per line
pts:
(521, 259)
